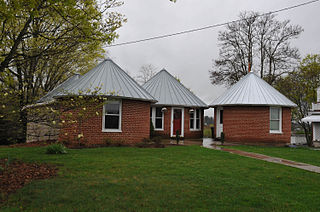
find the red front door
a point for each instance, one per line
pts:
(177, 117)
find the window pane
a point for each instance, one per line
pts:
(158, 112)
(197, 123)
(158, 123)
(221, 116)
(275, 113)
(274, 125)
(191, 115)
(111, 122)
(198, 113)
(112, 108)
(191, 123)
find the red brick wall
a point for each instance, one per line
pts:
(187, 133)
(252, 124)
(135, 126)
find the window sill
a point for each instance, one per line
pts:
(158, 129)
(275, 132)
(195, 130)
(112, 130)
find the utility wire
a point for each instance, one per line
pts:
(210, 26)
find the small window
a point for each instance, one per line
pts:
(191, 120)
(112, 116)
(157, 118)
(195, 119)
(275, 119)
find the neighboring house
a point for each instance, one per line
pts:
(176, 109)
(124, 115)
(252, 111)
(314, 119)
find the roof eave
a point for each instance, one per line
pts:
(179, 105)
(268, 105)
(109, 96)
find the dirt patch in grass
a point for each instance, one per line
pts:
(15, 174)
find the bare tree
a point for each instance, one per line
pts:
(261, 41)
(146, 72)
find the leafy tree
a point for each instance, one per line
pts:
(261, 42)
(300, 86)
(42, 42)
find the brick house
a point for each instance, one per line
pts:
(313, 118)
(176, 109)
(124, 114)
(252, 111)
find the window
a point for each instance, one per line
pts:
(191, 119)
(111, 116)
(156, 115)
(195, 123)
(275, 120)
(221, 116)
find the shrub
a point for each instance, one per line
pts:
(151, 129)
(178, 136)
(157, 140)
(108, 141)
(147, 140)
(116, 143)
(222, 137)
(56, 148)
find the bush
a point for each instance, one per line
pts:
(56, 148)
(157, 140)
(151, 129)
(147, 140)
(110, 142)
(222, 137)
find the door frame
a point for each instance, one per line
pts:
(219, 127)
(182, 121)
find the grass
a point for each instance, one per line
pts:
(300, 154)
(171, 179)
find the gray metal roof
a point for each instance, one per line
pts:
(169, 91)
(252, 90)
(49, 96)
(108, 79)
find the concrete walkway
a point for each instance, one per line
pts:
(207, 143)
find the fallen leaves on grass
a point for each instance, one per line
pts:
(15, 174)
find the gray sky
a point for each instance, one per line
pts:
(190, 56)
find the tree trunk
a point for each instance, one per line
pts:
(307, 133)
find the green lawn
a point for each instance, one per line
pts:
(301, 154)
(171, 179)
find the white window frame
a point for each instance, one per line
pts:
(104, 117)
(153, 118)
(280, 121)
(195, 120)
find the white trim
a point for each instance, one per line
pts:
(153, 118)
(313, 132)
(280, 121)
(195, 119)
(182, 121)
(218, 126)
(120, 117)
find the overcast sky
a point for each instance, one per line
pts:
(190, 56)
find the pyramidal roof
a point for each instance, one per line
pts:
(49, 96)
(252, 90)
(169, 91)
(107, 79)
